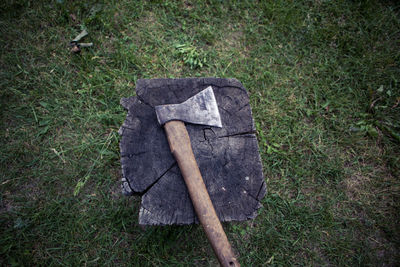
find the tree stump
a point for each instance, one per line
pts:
(228, 157)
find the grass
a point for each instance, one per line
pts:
(323, 78)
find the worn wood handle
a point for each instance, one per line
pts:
(179, 142)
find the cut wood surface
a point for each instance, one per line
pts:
(228, 157)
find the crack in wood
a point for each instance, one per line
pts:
(157, 180)
(208, 139)
(242, 107)
(143, 101)
(225, 86)
(243, 134)
(125, 127)
(261, 190)
(130, 155)
(225, 110)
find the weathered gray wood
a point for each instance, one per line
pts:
(228, 157)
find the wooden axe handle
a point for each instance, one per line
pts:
(181, 148)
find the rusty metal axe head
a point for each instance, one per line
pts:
(199, 109)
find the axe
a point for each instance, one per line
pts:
(199, 109)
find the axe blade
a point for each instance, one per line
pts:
(201, 108)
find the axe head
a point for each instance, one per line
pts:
(199, 109)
